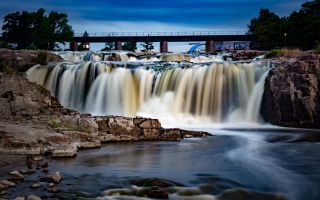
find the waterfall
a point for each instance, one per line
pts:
(218, 92)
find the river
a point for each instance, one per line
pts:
(246, 163)
(246, 160)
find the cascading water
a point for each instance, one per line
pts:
(216, 92)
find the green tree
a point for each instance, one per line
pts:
(129, 46)
(302, 27)
(108, 46)
(148, 46)
(267, 30)
(36, 30)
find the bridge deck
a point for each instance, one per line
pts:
(184, 38)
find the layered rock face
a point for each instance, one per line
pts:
(18, 97)
(245, 54)
(22, 60)
(34, 122)
(292, 93)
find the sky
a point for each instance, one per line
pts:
(97, 16)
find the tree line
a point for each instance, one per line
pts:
(298, 30)
(129, 46)
(35, 30)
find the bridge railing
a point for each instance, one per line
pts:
(185, 33)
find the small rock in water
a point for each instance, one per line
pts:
(15, 176)
(53, 189)
(44, 165)
(8, 183)
(3, 187)
(51, 184)
(45, 170)
(153, 182)
(37, 158)
(35, 185)
(29, 162)
(33, 197)
(20, 198)
(27, 171)
(55, 178)
(153, 193)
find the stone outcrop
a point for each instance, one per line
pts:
(292, 93)
(245, 54)
(22, 60)
(19, 97)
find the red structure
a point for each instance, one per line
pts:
(163, 47)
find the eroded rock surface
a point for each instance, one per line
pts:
(22, 60)
(292, 93)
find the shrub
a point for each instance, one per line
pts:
(283, 53)
(317, 49)
(42, 58)
(54, 122)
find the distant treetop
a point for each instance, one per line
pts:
(36, 30)
(299, 30)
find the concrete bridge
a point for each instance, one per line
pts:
(163, 37)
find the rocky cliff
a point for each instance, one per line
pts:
(22, 60)
(292, 93)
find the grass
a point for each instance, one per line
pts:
(54, 123)
(282, 53)
(42, 58)
(317, 49)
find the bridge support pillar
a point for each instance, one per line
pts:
(209, 46)
(118, 45)
(163, 47)
(73, 46)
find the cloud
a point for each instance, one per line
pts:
(181, 12)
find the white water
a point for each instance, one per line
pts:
(173, 92)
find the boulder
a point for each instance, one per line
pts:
(123, 126)
(171, 134)
(151, 134)
(153, 182)
(88, 125)
(60, 151)
(55, 178)
(33, 197)
(292, 93)
(15, 176)
(8, 183)
(146, 123)
(3, 187)
(84, 140)
(53, 189)
(35, 185)
(20, 198)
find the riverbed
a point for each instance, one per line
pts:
(235, 163)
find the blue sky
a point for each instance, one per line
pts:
(149, 15)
